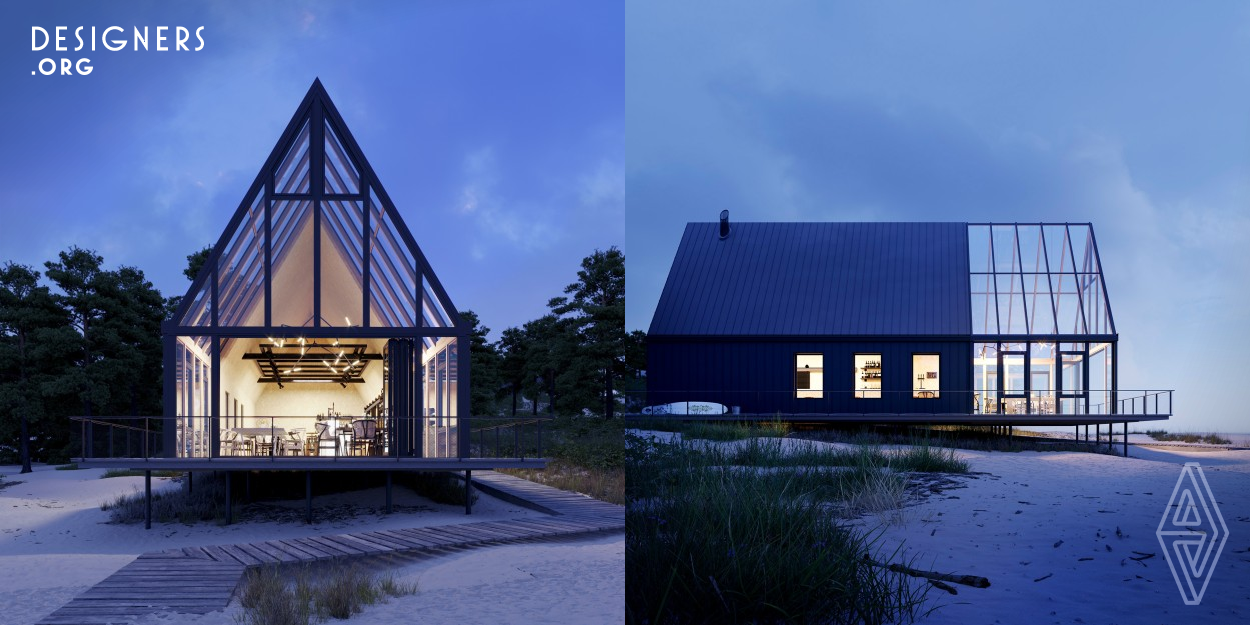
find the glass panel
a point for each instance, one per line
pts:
(984, 316)
(392, 273)
(291, 226)
(292, 174)
(1013, 373)
(1042, 315)
(453, 400)
(1069, 319)
(1011, 314)
(925, 369)
(979, 259)
(1092, 299)
(432, 311)
(867, 376)
(441, 400)
(1058, 254)
(1031, 259)
(341, 174)
(1005, 256)
(200, 312)
(342, 263)
(1082, 248)
(809, 376)
(1100, 378)
(194, 401)
(1073, 376)
(1042, 379)
(241, 271)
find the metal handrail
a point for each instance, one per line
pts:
(1106, 402)
(88, 425)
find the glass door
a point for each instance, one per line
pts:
(1013, 379)
(1074, 380)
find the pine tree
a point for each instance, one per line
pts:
(33, 337)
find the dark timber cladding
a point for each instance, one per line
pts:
(736, 310)
(974, 323)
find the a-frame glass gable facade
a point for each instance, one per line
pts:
(316, 316)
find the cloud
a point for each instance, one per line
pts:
(519, 224)
(604, 187)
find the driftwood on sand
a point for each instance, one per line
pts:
(976, 581)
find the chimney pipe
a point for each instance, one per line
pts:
(724, 223)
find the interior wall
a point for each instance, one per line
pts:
(307, 400)
(238, 378)
(261, 401)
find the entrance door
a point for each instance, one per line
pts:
(403, 397)
(1013, 380)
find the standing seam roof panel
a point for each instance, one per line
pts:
(812, 279)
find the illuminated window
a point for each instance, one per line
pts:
(868, 376)
(925, 377)
(809, 376)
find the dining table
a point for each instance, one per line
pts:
(257, 434)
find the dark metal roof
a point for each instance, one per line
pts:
(818, 279)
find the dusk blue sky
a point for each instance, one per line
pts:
(1134, 116)
(496, 127)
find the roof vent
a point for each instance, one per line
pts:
(724, 224)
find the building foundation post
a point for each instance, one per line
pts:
(308, 497)
(147, 499)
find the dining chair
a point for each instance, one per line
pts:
(326, 440)
(293, 443)
(229, 443)
(363, 433)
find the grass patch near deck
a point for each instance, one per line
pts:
(203, 503)
(723, 431)
(602, 484)
(1187, 437)
(585, 455)
(757, 532)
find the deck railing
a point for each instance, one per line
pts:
(1104, 405)
(279, 438)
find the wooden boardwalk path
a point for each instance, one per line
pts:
(542, 498)
(198, 580)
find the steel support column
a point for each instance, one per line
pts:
(308, 497)
(229, 503)
(147, 499)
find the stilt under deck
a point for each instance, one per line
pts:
(462, 468)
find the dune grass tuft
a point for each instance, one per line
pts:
(203, 503)
(1188, 437)
(755, 532)
(271, 598)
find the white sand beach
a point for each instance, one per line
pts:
(55, 542)
(1055, 533)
